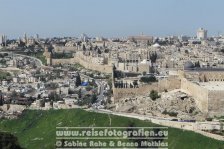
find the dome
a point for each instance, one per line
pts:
(144, 61)
(156, 45)
(188, 65)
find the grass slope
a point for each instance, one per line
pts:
(36, 129)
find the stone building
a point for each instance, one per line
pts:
(48, 56)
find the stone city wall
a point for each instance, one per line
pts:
(169, 84)
(62, 61)
(199, 93)
(127, 92)
(64, 48)
(86, 64)
(216, 103)
(92, 66)
(132, 67)
(213, 76)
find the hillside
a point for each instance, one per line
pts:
(36, 129)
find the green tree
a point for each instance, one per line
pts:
(148, 79)
(197, 64)
(153, 57)
(135, 83)
(80, 93)
(93, 98)
(1, 99)
(148, 43)
(154, 95)
(152, 69)
(83, 47)
(99, 51)
(78, 80)
(54, 96)
(14, 95)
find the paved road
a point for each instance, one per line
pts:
(100, 85)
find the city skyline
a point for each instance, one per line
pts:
(111, 18)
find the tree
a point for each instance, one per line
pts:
(148, 79)
(135, 83)
(54, 96)
(167, 66)
(88, 88)
(78, 80)
(93, 98)
(14, 95)
(152, 69)
(83, 47)
(222, 50)
(80, 93)
(1, 99)
(153, 57)
(148, 43)
(95, 48)
(51, 103)
(154, 95)
(99, 51)
(106, 51)
(197, 64)
(38, 85)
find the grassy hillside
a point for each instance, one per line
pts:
(36, 129)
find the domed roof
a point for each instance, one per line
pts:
(188, 65)
(156, 45)
(144, 61)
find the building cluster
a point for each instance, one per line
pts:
(138, 64)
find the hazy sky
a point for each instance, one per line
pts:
(110, 18)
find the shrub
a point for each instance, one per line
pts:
(148, 79)
(154, 95)
(174, 114)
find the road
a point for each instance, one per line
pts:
(39, 62)
(101, 88)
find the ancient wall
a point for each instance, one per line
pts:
(170, 83)
(204, 76)
(63, 48)
(97, 67)
(132, 67)
(127, 92)
(62, 61)
(199, 93)
(216, 102)
(143, 68)
(213, 76)
(86, 64)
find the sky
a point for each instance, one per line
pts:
(110, 18)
